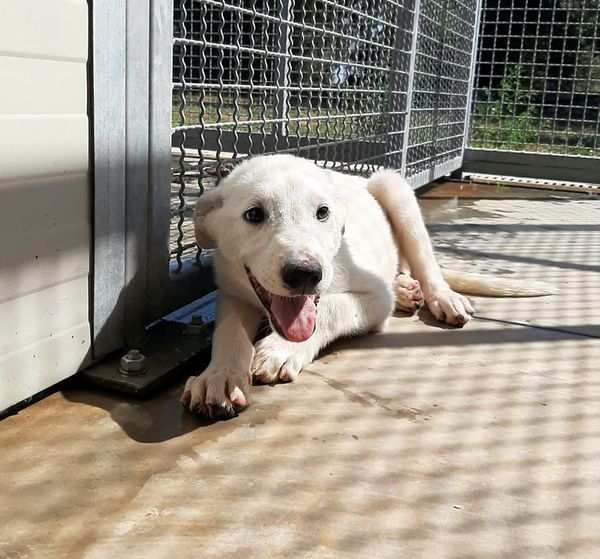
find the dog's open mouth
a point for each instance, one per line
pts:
(294, 318)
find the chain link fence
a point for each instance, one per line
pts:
(537, 84)
(441, 87)
(352, 84)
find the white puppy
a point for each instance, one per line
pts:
(319, 254)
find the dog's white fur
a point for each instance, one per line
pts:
(374, 230)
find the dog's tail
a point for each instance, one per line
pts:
(469, 283)
(398, 201)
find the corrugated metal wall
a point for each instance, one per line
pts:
(44, 195)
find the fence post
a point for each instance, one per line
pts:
(395, 97)
(471, 89)
(161, 86)
(282, 75)
(409, 92)
(137, 103)
(109, 139)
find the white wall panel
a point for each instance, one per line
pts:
(44, 195)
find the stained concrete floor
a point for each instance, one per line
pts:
(420, 442)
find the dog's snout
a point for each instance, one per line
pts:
(303, 276)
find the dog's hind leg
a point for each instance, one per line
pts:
(397, 199)
(409, 297)
(339, 315)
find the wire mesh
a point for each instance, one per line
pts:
(323, 79)
(441, 84)
(537, 83)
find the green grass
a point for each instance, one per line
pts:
(299, 125)
(524, 133)
(511, 119)
(494, 126)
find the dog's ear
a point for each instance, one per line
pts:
(208, 202)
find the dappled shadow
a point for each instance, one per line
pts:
(415, 442)
(421, 441)
(473, 255)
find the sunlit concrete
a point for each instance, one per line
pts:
(420, 442)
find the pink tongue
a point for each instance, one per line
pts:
(295, 316)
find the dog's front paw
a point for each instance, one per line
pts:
(448, 306)
(217, 393)
(277, 360)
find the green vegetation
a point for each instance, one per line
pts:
(511, 118)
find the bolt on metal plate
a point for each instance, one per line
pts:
(133, 363)
(197, 326)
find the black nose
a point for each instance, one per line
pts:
(302, 277)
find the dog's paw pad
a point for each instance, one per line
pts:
(237, 398)
(275, 362)
(276, 369)
(450, 307)
(289, 372)
(409, 297)
(216, 394)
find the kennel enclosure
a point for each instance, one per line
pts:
(148, 103)
(352, 85)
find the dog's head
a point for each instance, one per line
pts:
(279, 220)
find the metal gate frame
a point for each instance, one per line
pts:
(133, 281)
(455, 164)
(239, 140)
(132, 287)
(131, 139)
(543, 166)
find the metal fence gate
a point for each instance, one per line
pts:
(351, 84)
(536, 109)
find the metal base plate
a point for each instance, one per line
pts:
(172, 345)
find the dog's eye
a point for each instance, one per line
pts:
(322, 213)
(254, 215)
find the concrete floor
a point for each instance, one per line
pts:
(421, 442)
